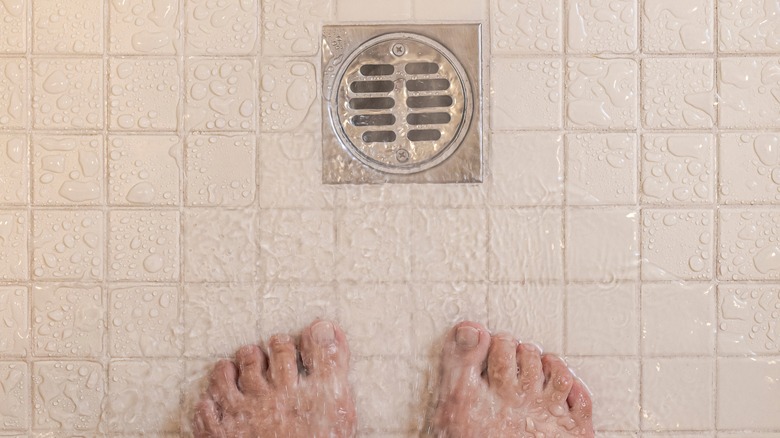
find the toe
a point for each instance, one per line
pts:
(558, 378)
(223, 386)
(580, 404)
(252, 365)
(529, 362)
(324, 349)
(463, 356)
(283, 361)
(502, 362)
(206, 422)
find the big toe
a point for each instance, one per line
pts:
(324, 350)
(463, 356)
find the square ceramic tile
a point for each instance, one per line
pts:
(14, 312)
(14, 98)
(68, 395)
(690, 406)
(748, 393)
(288, 89)
(678, 93)
(373, 10)
(220, 245)
(537, 83)
(144, 27)
(677, 27)
(601, 94)
(14, 169)
(67, 170)
(290, 171)
(13, 39)
(68, 93)
(678, 169)
(601, 169)
(373, 244)
(439, 306)
(218, 319)
(143, 321)
(373, 313)
(602, 319)
(748, 248)
(603, 245)
(14, 249)
(526, 245)
(144, 169)
(749, 168)
(524, 26)
(602, 27)
(677, 244)
(226, 28)
(297, 245)
(68, 244)
(527, 169)
(463, 10)
(748, 319)
(290, 307)
(283, 36)
(395, 379)
(614, 383)
(747, 90)
(15, 396)
(220, 95)
(67, 27)
(143, 94)
(449, 245)
(220, 170)
(746, 26)
(529, 312)
(689, 329)
(68, 320)
(140, 394)
(144, 245)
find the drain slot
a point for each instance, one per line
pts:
(428, 118)
(372, 86)
(377, 70)
(379, 136)
(428, 85)
(424, 135)
(429, 101)
(373, 120)
(422, 68)
(363, 103)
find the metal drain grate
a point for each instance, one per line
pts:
(401, 103)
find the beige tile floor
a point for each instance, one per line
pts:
(161, 204)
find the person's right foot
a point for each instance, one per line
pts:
(522, 394)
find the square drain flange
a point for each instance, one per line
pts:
(402, 104)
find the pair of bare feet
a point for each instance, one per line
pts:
(490, 386)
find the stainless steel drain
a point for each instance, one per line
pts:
(400, 106)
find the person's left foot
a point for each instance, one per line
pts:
(261, 395)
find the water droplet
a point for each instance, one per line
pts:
(153, 263)
(141, 193)
(768, 259)
(56, 82)
(78, 191)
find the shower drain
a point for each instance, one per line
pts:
(401, 104)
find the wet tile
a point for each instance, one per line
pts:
(67, 169)
(14, 98)
(140, 395)
(601, 94)
(744, 26)
(690, 406)
(677, 244)
(218, 319)
(67, 27)
(598, 27)
(373, 10)
(526, 245)
(68, 93)
(601, 169)
(749, 168)
(747, 91)
(284, 37)
(144, 245)
(290, 307)
(689, 329)
(68, 395)
(144, 169)
(678, 169)
(537, 83)
(220, 170)
(220, 245)
(297, 245)
(603, 245)
(14, 39)
(748, 393)
(14, 396)
(143, 321)
(749, 245)
(144, 27)
(602, 319)
(614, 383)
(527, 169)
(678, 93)
(143, 94)
(372, 314)
(530, 312)
(288, 90)
(523, 26)
(68, 245)
(396, 380)
(68, 320)
(220, 95)
(748, 318)
(14, 169)
(14, 312)
(14, 250)
(227, 28)
(677, 27)
(465, 10)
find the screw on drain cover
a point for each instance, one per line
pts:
(398, 49)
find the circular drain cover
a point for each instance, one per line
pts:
(401, 103)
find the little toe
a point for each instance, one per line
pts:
(558, 379)
(580, 404)
(324, 350)
(207, 422)
(502, 362)
(463, 356)
(252, 365)
(223, 386)
(530, 374)
(283, 361)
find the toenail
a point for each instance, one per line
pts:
(467, 337)
(282, 339)
(323, 333)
